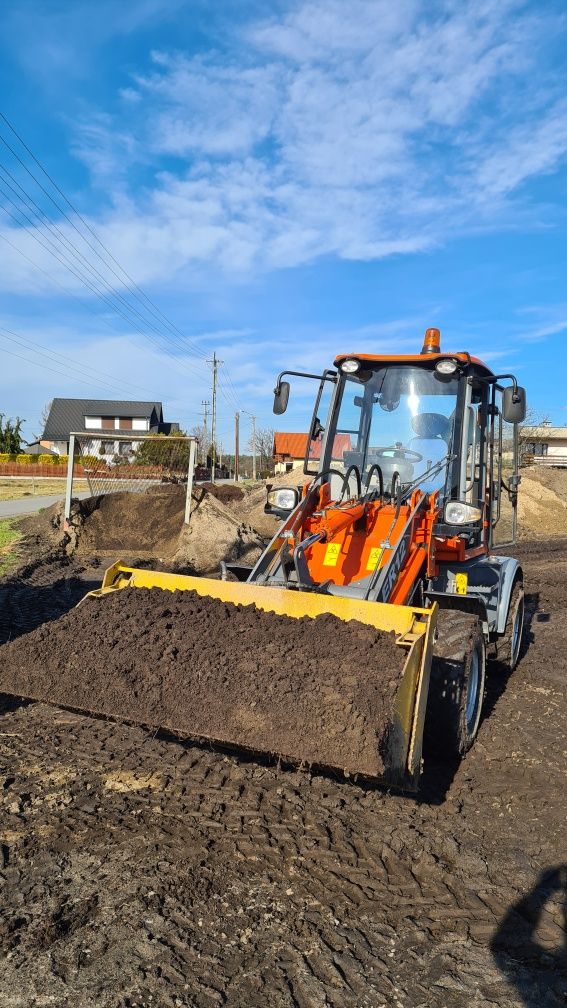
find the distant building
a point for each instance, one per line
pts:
(97, 420)
(289, 450)
(544, 445)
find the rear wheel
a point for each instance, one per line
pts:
(509, 644)
(458, 675)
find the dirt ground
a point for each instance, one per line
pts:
(140, 871)
(204, 668)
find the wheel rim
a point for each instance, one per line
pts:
(472, 690)
(517, 631)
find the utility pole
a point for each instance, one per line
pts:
(220, 454)
(253, 447)
(205, 404)
(236, 446)
(215, 365)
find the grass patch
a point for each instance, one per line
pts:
(16, 489)
(9, 538)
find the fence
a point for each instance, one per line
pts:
(129, 462)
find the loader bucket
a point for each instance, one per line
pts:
(399, 764)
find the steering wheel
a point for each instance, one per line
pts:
(399, 453)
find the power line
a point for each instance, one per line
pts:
(86, 272)
(65, 359)
(153, 307)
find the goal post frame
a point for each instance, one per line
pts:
(113, 435)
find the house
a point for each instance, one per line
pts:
(289, 450)
(98, 419)
(544, 445)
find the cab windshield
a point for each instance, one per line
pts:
(397, 417)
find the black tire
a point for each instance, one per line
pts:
(458, 675)
(509, 645)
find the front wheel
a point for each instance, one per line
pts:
(509, 644)
(458, 676)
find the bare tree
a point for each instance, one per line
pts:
(203, 435)
(532, 430)
(45, 414)
(264, 449)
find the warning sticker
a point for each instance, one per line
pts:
(332, 555)
(461, 584)
(373, 557)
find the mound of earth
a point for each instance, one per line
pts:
(542, 503)
(150, 525)
(208, 669)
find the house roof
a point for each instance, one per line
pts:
(68, 415)
(295, 445)
(36, 448)
(544, 432)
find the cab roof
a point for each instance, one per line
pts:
(422, 358)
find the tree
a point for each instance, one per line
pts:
(203, 436)
(264, 449)
(532, 430)
(10, 435)
(163, 450)
(45, 414)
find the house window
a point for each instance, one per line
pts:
(108, 447)
(125, 448)
(288, 466)
(537, 448)
(125, 423)
(107, 423)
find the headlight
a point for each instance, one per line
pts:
(457, 513)
(446, 366)
(285, 498)
(350, 365)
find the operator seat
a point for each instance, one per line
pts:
(433, 432)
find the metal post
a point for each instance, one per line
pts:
(253, 447)
(69, 485)
(190, 471)
(236, 446)
(205, 404)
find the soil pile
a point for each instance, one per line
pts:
(542, 503)
(319, 691)
(151, 524)
(225, 492)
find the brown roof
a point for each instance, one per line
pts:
(295, 445)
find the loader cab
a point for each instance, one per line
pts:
(384, 427)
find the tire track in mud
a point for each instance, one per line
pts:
(138, 871)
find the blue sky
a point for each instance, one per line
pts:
(284, 182)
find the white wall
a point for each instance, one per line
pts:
(556, 447)
(140, 424)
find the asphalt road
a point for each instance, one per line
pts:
(30, 505)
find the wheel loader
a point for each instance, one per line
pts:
(393, 528)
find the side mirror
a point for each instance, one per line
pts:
(514, 404)
(281, 397)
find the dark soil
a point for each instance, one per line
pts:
(126, 521)
(310, 690)
(137, 871)
(228, 493)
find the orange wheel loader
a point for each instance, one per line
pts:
(394, 528)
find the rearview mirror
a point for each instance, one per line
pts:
(514, 404)
(281, 397)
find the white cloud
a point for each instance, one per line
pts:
(382, 133)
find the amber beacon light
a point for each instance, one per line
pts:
(432, 341)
